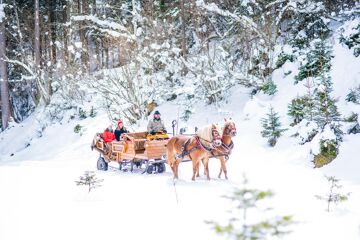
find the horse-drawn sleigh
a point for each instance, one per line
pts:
(134, 149)
(153, 151)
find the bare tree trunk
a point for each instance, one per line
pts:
(66, 15)
(98, 52)
(83, 40)
(5, 99)
(37, 36)
(52, 32)
(183, 35)
(106, 48)
(37, 49)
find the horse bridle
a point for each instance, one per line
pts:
(230, 130)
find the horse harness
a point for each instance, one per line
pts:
(226, 153)
(197, 146)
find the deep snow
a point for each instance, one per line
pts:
(40, 200)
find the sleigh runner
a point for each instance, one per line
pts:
(134, 149)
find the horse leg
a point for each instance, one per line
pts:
(198, 170)
(196, 165)
(171, 161)
(176, 168)
(223, 167)
(206, 166)
(202, 160)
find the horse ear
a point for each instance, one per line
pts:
(225, 119)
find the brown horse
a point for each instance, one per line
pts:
(223, 152)
(196, 148)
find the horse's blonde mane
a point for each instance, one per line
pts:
(205, 133)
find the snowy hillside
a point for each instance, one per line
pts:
(42, 156)
(41, 201)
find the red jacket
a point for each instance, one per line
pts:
(108, 136)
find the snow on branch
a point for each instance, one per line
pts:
(247, 22)
(112, 28)
(27, 68)
(2, 12)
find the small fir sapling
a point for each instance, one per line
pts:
(354, 128)
(271, 127)
(238, 226)
(333, 196)
(90, 180)
(269, 88)
(93, 112)
(79, 129)
(353, 96)
(82, 113)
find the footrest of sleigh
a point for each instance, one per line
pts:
(153, 167)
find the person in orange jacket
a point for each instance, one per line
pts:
(108, 135)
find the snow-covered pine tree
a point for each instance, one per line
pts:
(354, 95)
(353, 124)
(271, 127)
(326, 112)
(353, 40)
(317, 61)
(297, 108)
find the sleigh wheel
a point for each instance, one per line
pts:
(150, 169)
(101, 164)
(161, 168)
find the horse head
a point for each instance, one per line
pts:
(229, 128)
(216, 136)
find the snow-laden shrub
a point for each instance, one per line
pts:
(79, 129)
(269, 88)
(325, 147)
(352, 124)
(353, 95)
(351, 37)
(282, 58)
(82, 113)
(297, 109)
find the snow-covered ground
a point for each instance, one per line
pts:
(40, 200)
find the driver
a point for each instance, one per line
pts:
(156, 124)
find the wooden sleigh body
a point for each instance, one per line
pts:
(134, 149)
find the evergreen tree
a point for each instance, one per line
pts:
(90, 180)
(354, 95)
(271, 127)
(325, 108)
(247, 202)
(354, 126)
(353, 40)
(333, 197)
(317, 61)
(297, 109)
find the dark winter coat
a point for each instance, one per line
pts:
(120, 131)
(155, 125)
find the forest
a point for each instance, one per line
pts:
(190, 50)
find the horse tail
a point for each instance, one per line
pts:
(170, 151)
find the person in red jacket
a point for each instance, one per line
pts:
(108, 135)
